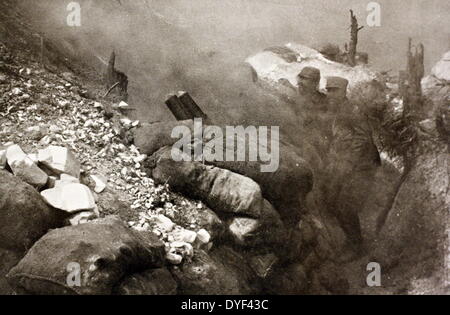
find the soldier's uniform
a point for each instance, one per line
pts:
(352, 161)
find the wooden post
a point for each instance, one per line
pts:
(354, 29)
(191, 106)
(177, 108)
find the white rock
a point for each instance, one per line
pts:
(123, 105)
(36, 132)
(70, 198)
(442, 69)
(82, 217)
(184, 235)
(2, 158)
(203, 236)
(183, 248)
(174, 259)
(163, 222)
(66, 180)
(100, 183)
(33, 157)
(24, 168)
(60, 160)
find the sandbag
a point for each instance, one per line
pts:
(150, 137)
(220, 189)
(285, 188)
(24, 216)
(103, 251)
(150, 282)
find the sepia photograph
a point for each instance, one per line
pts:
(231, 154)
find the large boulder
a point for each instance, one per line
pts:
(24, 215)
(414, 229)
(101, 252)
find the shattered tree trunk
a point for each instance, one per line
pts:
(116, 79)
(354, 30)
(411, 91)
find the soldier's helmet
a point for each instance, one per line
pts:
(309, 73)
(337, 83)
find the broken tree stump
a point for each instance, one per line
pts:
(116, 79)
(354, 30)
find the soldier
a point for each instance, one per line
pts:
(351, 162)
(308, 84)
(337, 94)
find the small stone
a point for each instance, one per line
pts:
(24, 168)
(184, 236)
(70, 198)
(163, 222)
(60, 160)
(203, 236)
(36, 132)
(54, 129)
(82, 217)
(174, 259)
(98, 105)
(100, 183)
(16, 91)
(183, 248)
(65, 180)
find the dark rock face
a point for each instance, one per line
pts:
(415, 228)
(104, 251)
(151, 282)
(222, 272)
(8, 259)
(25, 217)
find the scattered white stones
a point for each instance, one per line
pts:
(23, 167)
(60, 160)
(36, 132)
(70, 198)
(100, 183)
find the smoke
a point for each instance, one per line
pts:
(200, 45)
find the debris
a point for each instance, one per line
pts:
(203, 236)
(100, 183)
(60, 160)
(163, 222)
(70, 198)
(82, 217)
(23, 167)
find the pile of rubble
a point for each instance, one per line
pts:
(69, 147)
